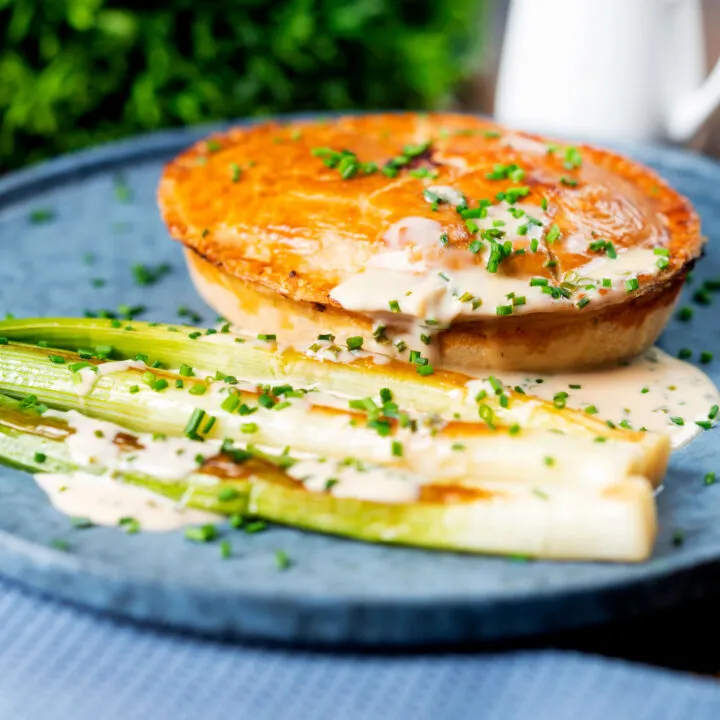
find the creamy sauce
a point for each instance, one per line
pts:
(88, 376)
(105, 501)
(647, 392)
(416, 287)
(166, 458)
(98, 496)
(373, 483)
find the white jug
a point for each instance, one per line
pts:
(606, 69)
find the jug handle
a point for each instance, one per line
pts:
(691, 111)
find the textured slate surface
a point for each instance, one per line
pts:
(337, 591)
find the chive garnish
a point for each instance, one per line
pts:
(193, 422)
(632, 285)
(146, 275)
(354, 343)
(81, 523)
(553, 234)
(394, 306)
(685, 353)
(265, 337)
(201, 534)
(709, 478)
(40, 457)
(282, 560)
(685, 313)
(130, 525)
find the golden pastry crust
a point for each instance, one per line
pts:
(260, 206)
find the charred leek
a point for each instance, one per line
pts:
(614, 522)
(150, 400)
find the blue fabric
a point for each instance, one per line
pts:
(57, 662)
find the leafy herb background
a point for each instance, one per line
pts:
(77, 72)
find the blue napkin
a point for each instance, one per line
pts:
(58, 662)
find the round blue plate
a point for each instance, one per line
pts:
(93, 215)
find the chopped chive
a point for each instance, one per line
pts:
(40, 457)
(267, 337)
(198, 389)
(201, 534)
(676, 420)
(504, 310)
(255, 526)
(397, 448)
(685, 313)
(713, 412)
(632, 285)
(130, 525)
(685, 353)
(193, 422)
(553, 234)
(706, 357)
(354, 343)
(549, 460)
(282, 560)
(709, 478)
(81, 523)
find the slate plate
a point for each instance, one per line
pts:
(337, 591)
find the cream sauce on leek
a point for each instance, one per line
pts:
(105, 501)
(655, 391)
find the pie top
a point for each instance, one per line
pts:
(440, 215)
